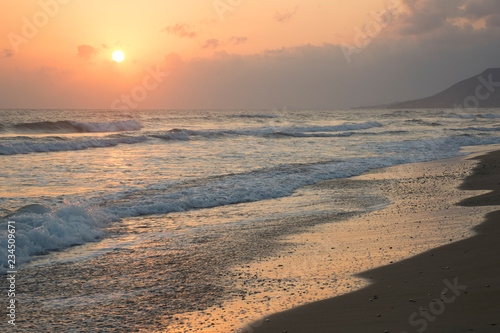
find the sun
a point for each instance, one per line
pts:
(118, 56)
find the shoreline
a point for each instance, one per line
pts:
(451, 288)
(211, 291)
(322, 261)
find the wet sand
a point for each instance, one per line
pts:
(452, 288)
(409, 209)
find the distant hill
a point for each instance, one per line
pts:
(480, 91)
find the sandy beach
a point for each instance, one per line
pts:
(419, 213)
(451, 288)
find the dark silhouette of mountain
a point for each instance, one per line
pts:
(480, 91)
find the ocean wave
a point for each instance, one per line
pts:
(462, 116)
(174, 134)
(480, 129)
(336, 135)
(113, 126)
(474, 116)
(338, 128)
(40, 229)
(489, 116)
(422, 122)
(280, 181)
(26, 147)
(73, 127)
(291, 131)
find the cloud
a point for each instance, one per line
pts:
(211, 44)
(406, 60)
(8, 53)
(481, 8)
(283, 17)
(238, 40)
(426, 16)
(180, 30)
(86, 52)
(393, 67)
(432, 16)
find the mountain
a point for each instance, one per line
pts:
(480, 91)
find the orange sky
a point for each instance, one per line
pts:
(137, 25)
(68, 54)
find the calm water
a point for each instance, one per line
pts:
(148, 208)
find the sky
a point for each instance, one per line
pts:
(240, 54)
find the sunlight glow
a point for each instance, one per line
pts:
(118, 56)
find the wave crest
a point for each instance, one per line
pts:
(40, 229)
(26, 147)
(50, 127)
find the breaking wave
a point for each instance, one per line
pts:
(41, 229)
(26, 147)
(57, 144)
(49, 127)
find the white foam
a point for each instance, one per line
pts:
(283, 180)
(41, 231)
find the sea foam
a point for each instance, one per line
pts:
(39, 229)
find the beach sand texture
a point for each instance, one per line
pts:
(321, 262)
(452, 288)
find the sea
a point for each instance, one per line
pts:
(126, 218)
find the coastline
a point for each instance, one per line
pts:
(451, 288)
(309, 258)
(413, 210)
